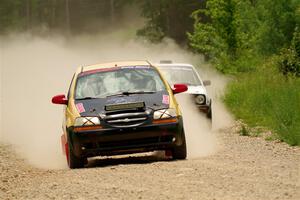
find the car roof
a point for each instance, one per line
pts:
(115, 64)
(174, 65)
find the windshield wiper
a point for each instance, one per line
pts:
(139, 92)
(86, 98)
(127, 93)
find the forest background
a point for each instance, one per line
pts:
(256, 42)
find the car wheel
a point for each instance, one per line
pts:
(179, 152)
(73, 160)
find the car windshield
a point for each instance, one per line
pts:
(178, 74)
(118, 80)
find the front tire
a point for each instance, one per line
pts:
(180, 152)
(73, 161)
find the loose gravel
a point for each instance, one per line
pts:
(242, 168)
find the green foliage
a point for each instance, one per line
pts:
(75, 16)
(167, 18)
(10, 14)
(289, 60)
(296, 42)
(244, 131)
(289, 63)
(218, 34)
(239, 31)
(267, 98)
(224, 37)
(276, 24)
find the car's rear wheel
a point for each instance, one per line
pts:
(74, 161)
(179, 152)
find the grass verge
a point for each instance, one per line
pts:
(267, 98)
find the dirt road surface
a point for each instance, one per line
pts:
(243, 168)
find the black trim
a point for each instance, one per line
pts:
(115, 141)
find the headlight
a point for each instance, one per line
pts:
(200, 99)
(164, 114)
(87, 121)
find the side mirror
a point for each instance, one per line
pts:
(206, 82)
(60, 99)
(178, 88)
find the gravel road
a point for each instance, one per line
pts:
(243, 168)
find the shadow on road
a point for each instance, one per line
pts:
(125, 160)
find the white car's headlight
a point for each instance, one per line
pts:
(87, 121)
(164, 114)
(200, 99)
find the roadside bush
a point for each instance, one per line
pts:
(289, 62)
(246, 62)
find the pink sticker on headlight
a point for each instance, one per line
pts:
(80, 107)
(166, 99)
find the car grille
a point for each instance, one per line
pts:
(130, 119)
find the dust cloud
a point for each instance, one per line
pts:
(201, 132)
(33, 69)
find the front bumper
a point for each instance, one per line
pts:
(115, 141)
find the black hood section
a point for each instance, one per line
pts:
(92, 107)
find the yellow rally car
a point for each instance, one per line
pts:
(120, 108)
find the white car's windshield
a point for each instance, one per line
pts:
(180, 75)
(138, 79)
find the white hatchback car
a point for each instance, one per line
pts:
(187, 74)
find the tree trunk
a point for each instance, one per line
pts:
(112, 11)
(53, 13)
(68, 26)
(28, 15)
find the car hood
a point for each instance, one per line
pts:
(196, 90)
(92, 107)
